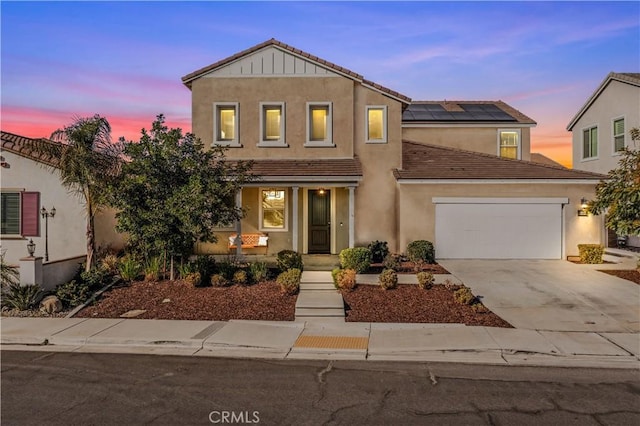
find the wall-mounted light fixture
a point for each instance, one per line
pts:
(31, 247)
(582, 211)
(321, 191)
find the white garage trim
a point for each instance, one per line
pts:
(479, 200)
(499, 228)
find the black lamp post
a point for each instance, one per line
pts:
(46, 215)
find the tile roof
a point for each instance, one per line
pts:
(463, 112)
(339, 167)
(624, 77)
(273, 42)
(28, 147)
(424, 161)
(543, 159)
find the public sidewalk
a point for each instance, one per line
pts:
(320, 340)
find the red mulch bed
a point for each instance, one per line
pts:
(631, 275)
(263, 301)
(411, 304)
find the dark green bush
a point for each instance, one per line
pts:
(334, 275)
(96, 278)
(421, 251)
(392, 261)
(379, 250)
(205, 265)
(227, 269)
(289, 259)
(22, 297)
(591, 253)
(357, 258)
(388, 279)
(425, 280)
(73, 293)
(289, 281)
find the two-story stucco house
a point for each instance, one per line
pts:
(344, 161)
(600, 129)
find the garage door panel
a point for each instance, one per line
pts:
(499, 231)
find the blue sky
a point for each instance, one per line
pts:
(124, 60)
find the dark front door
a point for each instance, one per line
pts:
(320, 221)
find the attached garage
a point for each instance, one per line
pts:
(499, 228)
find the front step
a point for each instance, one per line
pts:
(316, 277)
(320, 312)
(317, 286)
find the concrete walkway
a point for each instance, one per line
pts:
(324, 340)
(318, 299)
(553, 295)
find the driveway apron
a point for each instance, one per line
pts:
(553, 295)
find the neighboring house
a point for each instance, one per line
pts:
(601, 127)
(28, 185)
(344, 161)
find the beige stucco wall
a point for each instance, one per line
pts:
(617, 100)
(417, 219)
(295, 92)
(67, 230)
(480, 139)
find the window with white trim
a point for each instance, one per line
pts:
(618, 134)
(20, 213)
(509, 143)
(272, 124)
(590, 142)
(225, 124)
(319, 124)
(376, 124)
(273, 209)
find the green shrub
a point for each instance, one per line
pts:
(591, 253)
(240, 277)
(95, 278)
(357, 258)
(334, 275)
(22, 297)
(129, 268)
(379, 250)
(186, 269)
(464, 296)
(388, 279)
(258, 271)
(289, 281)
(227, 269)
(152, 269)
(289, 259)
(392, 261)
(109, 263)
(73, 293)
(205, 265)
(194, 278)
(218, 280)
(425, 280)
(347, 279)
(421, 251)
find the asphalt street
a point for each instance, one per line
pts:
(49, 388)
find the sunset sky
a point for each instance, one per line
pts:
(124, 60)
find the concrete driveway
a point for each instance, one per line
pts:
(552, 294)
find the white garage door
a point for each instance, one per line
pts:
(503, 228)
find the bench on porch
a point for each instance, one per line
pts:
(249, 240)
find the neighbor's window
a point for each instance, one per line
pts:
(225, 124)
(618, 134)
(319, 124)
(509, 141)
(376, 124)
(590, 142)
(273, 209)
(272, 124)
(20, 213)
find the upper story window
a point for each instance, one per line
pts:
(376, 122)
(273, 209)
(509, 143)
(590, 142)
(225, 124)
(618, 134)
(319, 124)
(20, 214)
(272, 124)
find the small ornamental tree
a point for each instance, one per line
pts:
(172, 193)
(619, 194)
